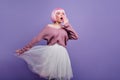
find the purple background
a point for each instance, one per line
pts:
(95, 56)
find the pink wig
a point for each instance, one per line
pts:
(53, 14)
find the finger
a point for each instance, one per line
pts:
(20, 53)
(17, 51)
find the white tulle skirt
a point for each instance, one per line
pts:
(49, 61)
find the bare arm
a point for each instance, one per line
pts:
(35, 40)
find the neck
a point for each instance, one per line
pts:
(57, 23)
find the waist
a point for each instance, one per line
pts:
(56, 43)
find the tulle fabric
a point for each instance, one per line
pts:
(49, 61)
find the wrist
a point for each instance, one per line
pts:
(28, 45)
(66, 25)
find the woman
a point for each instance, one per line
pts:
(51, 61)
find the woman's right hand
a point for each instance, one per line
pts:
(21, 51)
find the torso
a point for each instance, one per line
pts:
(56, 34)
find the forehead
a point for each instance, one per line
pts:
(61, 11)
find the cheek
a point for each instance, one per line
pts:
(57, 17)
(64, 16)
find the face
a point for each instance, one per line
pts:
(60, 16)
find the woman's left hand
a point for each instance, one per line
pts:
(65, 20)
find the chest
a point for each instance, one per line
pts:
(57, 32)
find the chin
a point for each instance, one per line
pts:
(61, 21)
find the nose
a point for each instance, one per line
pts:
(61, 15)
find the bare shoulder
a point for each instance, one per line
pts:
(50, 25)
(54, 26)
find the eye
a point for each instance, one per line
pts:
(58, 13)
(63, 13)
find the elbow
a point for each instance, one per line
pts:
(76, 38)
